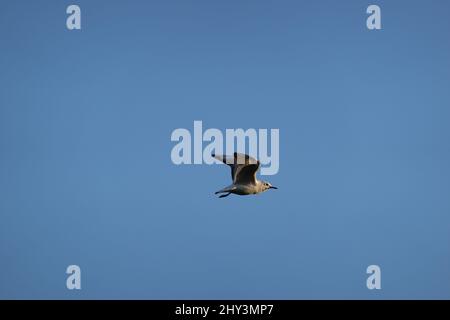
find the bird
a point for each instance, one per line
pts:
(243, 173)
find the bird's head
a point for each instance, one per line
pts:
(267, 186)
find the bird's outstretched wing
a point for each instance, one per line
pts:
(243, 167)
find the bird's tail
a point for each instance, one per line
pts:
(226, 190)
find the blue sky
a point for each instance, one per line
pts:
(86, 176)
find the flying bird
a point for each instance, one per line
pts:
(243, 174)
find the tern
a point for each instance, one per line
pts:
(243, 174)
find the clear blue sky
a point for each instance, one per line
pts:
(85, 170)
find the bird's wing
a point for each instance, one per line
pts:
(240, 158)
(246, 174)
(229, 161)
(243, 167)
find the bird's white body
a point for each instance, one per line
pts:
(243, 173)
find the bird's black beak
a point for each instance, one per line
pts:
(272, 187)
